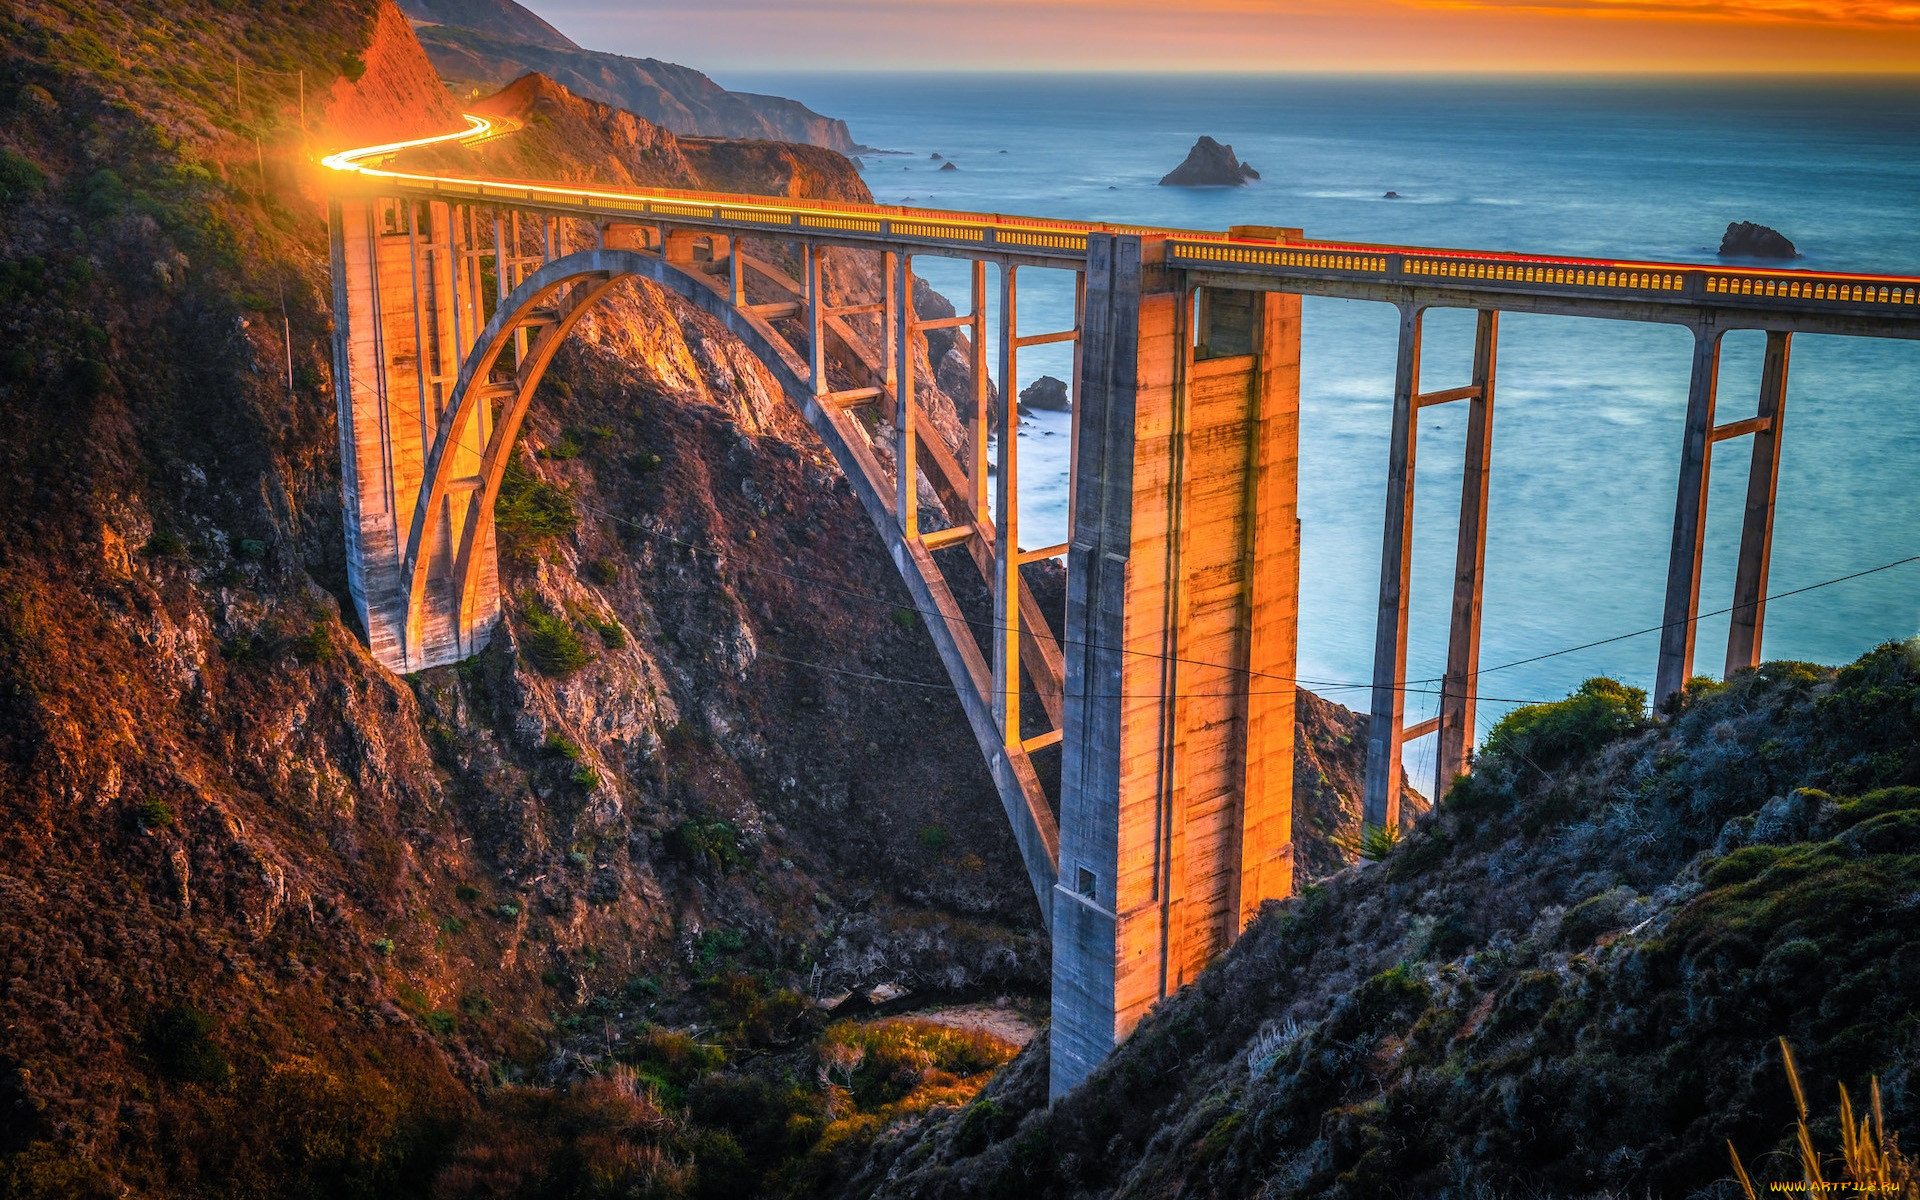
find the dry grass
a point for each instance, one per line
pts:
(1870, 1161)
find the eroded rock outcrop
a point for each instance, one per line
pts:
(1210, 164)
(1744, 239)
(1046, 394)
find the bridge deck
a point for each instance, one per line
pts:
(1788, 300)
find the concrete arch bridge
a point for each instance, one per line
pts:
(1169, 685)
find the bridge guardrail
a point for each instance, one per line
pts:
(1038, 237)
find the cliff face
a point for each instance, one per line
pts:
(395, 94)
(480, 51)
(257, 886)
(277, 922)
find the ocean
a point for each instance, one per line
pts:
(1588, 416)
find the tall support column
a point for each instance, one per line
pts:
(1006, 527)
(1264, 827)
(1073, 398)
(736, 273)
(1461, 683)
(899, 270)
(1176, 785)
(1125, 333)
(1678, 622)
(1382, 807)
(1756, 530)
(816, 319)
(982, 416)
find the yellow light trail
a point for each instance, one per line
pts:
(481, 129)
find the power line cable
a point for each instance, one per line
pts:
(1899, 562)
(1328, 685)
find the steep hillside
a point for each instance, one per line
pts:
(279, 923)
(480, 45)
(1569, 981)
(502, 18)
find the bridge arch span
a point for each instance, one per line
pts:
(546, 307)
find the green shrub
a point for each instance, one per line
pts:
(611, 635)
(979, 1125)
(552, 645)
(1694, 690)
(466, 892)
(383, 947)
(568, 447)
(564, 746)
(179, 1043)
(165, 544)
(154, 814)
(20, 176)
(353, 67)
(1373, 844)
(934, 837)
(1743, 864)
(699, 843)
(90, 377)
(314, 646)
(586, 777)
(715, 945)
(104, 193)
(530, 512)
(604, 572)
(1545, 736)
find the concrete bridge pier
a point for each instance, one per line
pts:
(1182, 619)
(1387, 732)
(407, 305)
(1682, 613)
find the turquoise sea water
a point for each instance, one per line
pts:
(1588, 421)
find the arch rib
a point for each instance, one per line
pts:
(591, 274)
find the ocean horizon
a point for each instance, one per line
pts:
(1588, 413)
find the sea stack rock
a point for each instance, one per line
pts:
(1744, 239)
(1047, 394)
(949, 167)
(1209, 164)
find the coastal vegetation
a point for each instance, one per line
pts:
(1572, 978)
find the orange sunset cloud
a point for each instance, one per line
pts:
(1667, 36)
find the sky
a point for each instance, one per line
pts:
(1472, 36)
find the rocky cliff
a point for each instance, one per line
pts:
(479, 47)
(278, 922)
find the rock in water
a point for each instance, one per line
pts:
(1744, 239)
(1209, 164)
(1046, 393)
(949, 167)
